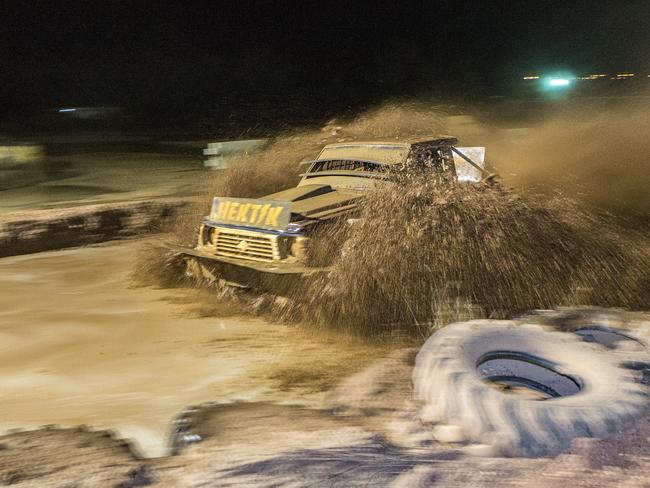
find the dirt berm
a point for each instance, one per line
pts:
(33, 231)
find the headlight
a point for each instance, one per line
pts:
(299, 247)
(207, 235)
(202, 235)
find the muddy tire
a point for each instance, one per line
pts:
(197, 271)
(624, 333)
(586, 391)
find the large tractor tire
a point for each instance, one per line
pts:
(625, 334)
(521, 390)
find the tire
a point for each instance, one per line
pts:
(196, 270)
(589, 393)
(612, 328)
(625, 334)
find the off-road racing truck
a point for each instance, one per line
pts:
(271, 234)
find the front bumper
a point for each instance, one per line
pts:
(276, 267)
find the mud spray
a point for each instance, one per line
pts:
(427, 252)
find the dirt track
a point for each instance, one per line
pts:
(130, 359)
(80, 345)
(264, 445)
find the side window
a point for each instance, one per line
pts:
(439, 159)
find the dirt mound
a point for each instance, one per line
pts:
(43, 230)
(44, 458)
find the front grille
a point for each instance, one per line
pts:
(244, 245)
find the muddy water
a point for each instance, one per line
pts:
(80, 345)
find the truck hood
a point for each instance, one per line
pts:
(317, 201)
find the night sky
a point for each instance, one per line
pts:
(184, 60)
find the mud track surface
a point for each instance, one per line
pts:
(265, 444)
(80, 345)
(284, 410)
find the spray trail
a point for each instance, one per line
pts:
(426, 252)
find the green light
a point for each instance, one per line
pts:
(559, 82)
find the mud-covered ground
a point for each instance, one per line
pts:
(372, 441)
(83, 342)
(81, 345)
(277, 405)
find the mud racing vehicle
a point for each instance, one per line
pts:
(271, 235)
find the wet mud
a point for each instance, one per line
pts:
(81, 345)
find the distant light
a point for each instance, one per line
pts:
(559, 82)
(594, 76)
(67, 110)
(533, 77)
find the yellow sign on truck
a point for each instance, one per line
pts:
(264, 214)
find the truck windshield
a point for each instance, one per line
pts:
(379, 152)
(346, 165)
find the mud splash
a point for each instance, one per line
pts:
(427, 253)
(598, 156)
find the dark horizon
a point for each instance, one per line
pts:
(185, 60)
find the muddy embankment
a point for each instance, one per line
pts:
(34, 231)
(89, 191)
